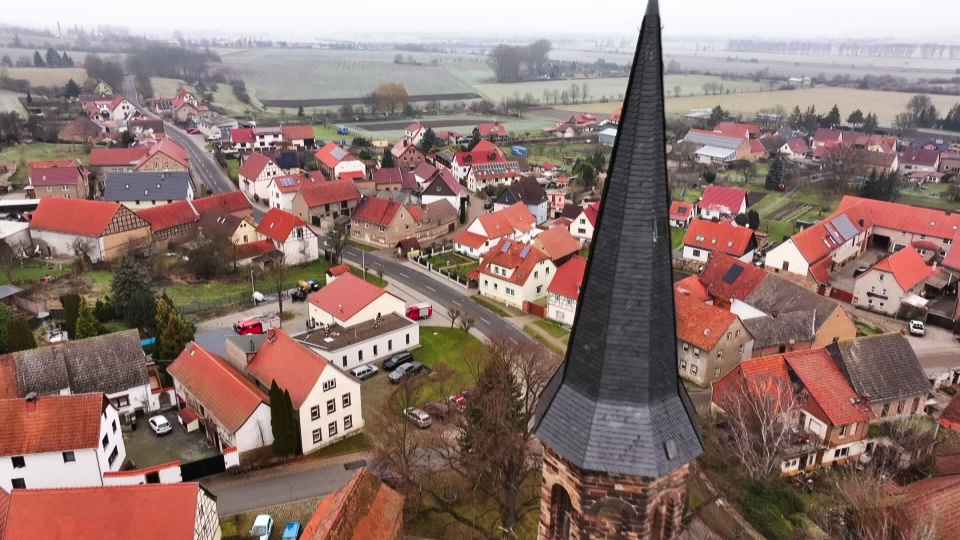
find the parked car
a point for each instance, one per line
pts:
(917, 328)
(262, 527)
(160, 425)
(459, 402)
(292, 531)
(488, 204)
(193, 131)
(405, 370)
(860, 270)
(214, 137)
(418, 417)
(364, 372)
(391, 363)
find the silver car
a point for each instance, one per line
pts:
(418, 417)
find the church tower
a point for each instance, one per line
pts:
(618, 428)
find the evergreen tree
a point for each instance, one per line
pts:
(870, 188)
(29, 98)
(175, 337)
(19, 336)
(6, 315)
(598, 160)
(870, 123)
(277, 420)
(709, 177)
(71, 311)
(300, 113)
(53, 58)
(387, 161)
(429, 140)
(742, 220)
(833, 118)
(856, 118)
(775, 175)
(72, 89)
(753, 219)
(474, 139)
(796, 118)
(132, 297)
(38, 60)
(463, 211)
(293, 439)
(86, 324)
(66, 61)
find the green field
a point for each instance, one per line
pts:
(25, 153)
(47, 76)
(40, 44)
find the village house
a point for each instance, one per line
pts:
(721, 201)
(896, 280)
(64, 180)
(300, 137)
(710, 340)
(58, 441)
(492, 131)
(950, 162)
(736, 129)
(424, 174)
(138, 190)
(529, 192)
(515, 274)
(181, 110)
(581, 226)
(232, 202)
(443, 186)
(262, 138)
(283, 189)
(107, 231)
(233, 411)
(349, 301)
(482, 175)
(793, 149)
(386, 222)
(681, 213)
(392, 179)
(257, 174)
(116, 160)
(337, 163)
(366, 342)
(171, 221)
(885, 370)
(564, 290)
(782, 332)
(290, 235)
(82, 130)
(325, 399)
(705, 238)
(514, 223)
(166, 156)
(717, 148)
(557, 243)
(364, 507)
(414, 132)
(237, 230)
(407, 155)
(463, 162)
(919, 159)
(829, 138)
(326, 202)
(727, 279)
(556, 200)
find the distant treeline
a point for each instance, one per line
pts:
(816, 48)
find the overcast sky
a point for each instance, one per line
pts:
(302, 20)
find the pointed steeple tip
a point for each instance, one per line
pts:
(653, 8)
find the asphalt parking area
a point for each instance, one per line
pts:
(146, 449)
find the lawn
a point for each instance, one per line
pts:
(676, 237)
(233, 170)
(450, 258)
(328, 132)
(25, 153)
(33, 270)
(534, 331)
(355, 443)
(553, 328)
(865, 329)
(491, 305)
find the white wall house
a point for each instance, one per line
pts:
(511, 283)
(512, 223)
(582, 226)
(76, 439)
(350, 353)
(348, 167)
(257, 174)
(564, 290)
(349, 301)
(787, 257)
(290, 235)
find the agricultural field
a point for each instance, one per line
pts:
(25, 153)
(462, 124)
(47, 76)
(10, 102)
(885, 105)
(41, 46)
(223, 97)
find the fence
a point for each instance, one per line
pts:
(535, 309)
(450, 275)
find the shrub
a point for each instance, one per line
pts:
(770, 505)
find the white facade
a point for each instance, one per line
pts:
(703, 255)
(716, 213)
(515, 295)
(331, 411)
(83, 468)
(384, 305)
(301, 246)
(474, 184)
(167, 475)
(254, 433)
(372, 350)
(281, 200)
(581, 228)
(877, 290)
(260, 186)
(561, 309)
(477, 228)
(745, 311)
(351, 165)
(900, 239)
(59, 243)
(787, 257)
(150, 203)
(122, 110)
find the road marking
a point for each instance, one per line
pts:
(404, 275)
(484, 320)
(431, 288)
(458, 303)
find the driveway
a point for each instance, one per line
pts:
(843, 278)
(937, 351)
(146, 449)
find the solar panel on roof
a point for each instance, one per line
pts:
(287, 182)
(844, 226)
(833, 233)
(506, 246)
(732, 273)
(525, 252)
(338, 153)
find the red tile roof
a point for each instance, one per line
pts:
(826, 384)
(103, 512)
(292, 183)
(723, 199)
(57, 176)
(254, 165)
(376, 210)
(225, 393)
(346, 296)
(8, 377)
(952, 260)
(569, 277)
(931, 504)
(495, 128)
(225, 203)
(402, 145)
(615, 115)
(169, 215)
(50, 424)
(363, 508)
(53, 163)
(293, 133)
(414, 127)
(798, 146)
(816, 242)
(73, 216)
(756, 146)
(477, 158)
(701, 325)
(255, 249)
(926, 245)
(277, 224)
(338, 270)
(170, 149)
(733, 129)
(719, 237)
(907, 267)
(591, 212)
(355, 176)
(825, 135)
(242, 135)
(950, 417)
(504, 222)
(509, 254)
(920, 156)
(692, 287)
(293, 366)
(329, 192)
(558, 243)
(470, 239)
(328, 155)
(680, 210)
(486, 146)
(739, 286)
(116, 157)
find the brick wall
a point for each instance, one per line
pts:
(839, 326)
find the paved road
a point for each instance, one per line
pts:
(204, 166)
(280, 489)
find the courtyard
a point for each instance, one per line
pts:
(146, 449)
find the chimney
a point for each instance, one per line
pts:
(251, 352)
(861, 222)
(791, 345)
(774, 314)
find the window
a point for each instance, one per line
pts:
(344, 360)
(900, 405)
(347, 422)
(317, 436)
(683, 364)
(843, 431)
(408, 339)
(693, 369)
(719, 355)
(331, 406)
(539, 288)
(346, 400)
(329, 385)
(113, 456)
(389, 345)
(916, 405)
(886, 410)
(729, 335)
(716, 372)
(314, 412)
(106, 441)
(360, 355)
(121, 401)
(696, 253)
(881, 305)
(536, 274)
(740, 350)
(18, 462)
(114, 426)
(841, 452)
(69, 457)
(332, 429)
(884, 292)
(686, 347)
(18, 483)
(696, 352)
(881, 276)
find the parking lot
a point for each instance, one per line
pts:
(843, 278)
(146, 449)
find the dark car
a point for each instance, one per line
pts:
(405, 370)
(488, 204)
(391, 363)
(860, 270)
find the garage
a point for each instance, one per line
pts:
(882, 242)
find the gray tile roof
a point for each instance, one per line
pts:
(146, 186)
(617, 404)
(8, 290)
(710, 139)
(778, 295)
(109, 364)
(883, 367)
(527, 190)
(780, 330)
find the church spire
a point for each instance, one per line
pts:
(617, 405)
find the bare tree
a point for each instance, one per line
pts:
(279, 261)
(466, 323)
(843, 164)
(337, 240)
(396, 441)
(676, 91)
(904, 122)
(761, 412)
(81, 254)
(453, 314)
(442, 378)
